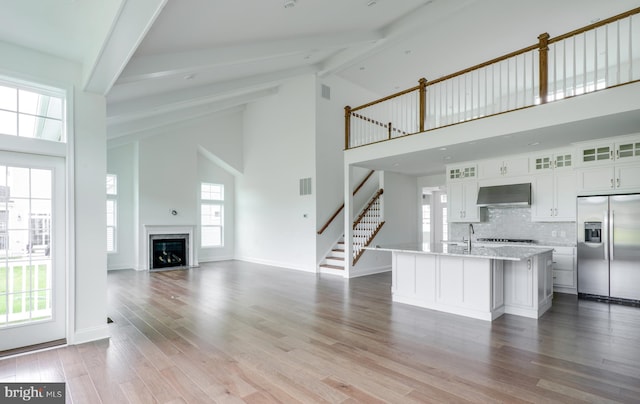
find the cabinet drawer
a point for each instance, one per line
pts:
(563, 250)
(563, 278)
(563, 262)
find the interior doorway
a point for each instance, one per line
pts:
(434, 216)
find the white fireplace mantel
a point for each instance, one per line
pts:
(153, 229)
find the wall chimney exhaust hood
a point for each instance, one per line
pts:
(505, 195)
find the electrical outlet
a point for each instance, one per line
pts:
(563, 234)
(554, 233)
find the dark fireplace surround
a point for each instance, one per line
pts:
(168, 251)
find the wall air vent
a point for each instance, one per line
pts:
(305, 186)
(326, 92)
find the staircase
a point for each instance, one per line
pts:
(334, 261)
(365, 228)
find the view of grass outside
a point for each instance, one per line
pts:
(24, 288)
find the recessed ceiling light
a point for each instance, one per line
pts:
(533, 144)
(189, 76)
(289, 3)
(396, 164)
(442, 148)
(408, 51)
(447, 157)
(362, 67)
(371, 3)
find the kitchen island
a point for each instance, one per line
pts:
(483, 283)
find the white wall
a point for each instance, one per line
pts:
(168, 171)
(86, 170)
(122, 161)
(279, 150)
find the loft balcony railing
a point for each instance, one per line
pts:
(602, 55)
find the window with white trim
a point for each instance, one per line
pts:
(211, 215)
(112, 209)
(31, 112)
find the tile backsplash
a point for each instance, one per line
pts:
(516, 223)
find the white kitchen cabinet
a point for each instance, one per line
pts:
(564, 270)
(462, 198)
(552, 161)
(463, 172)
(512, 167)
(621, 150)
(554, 197)
(528, 286)
(611, 178)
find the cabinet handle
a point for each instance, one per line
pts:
(617, 154)
(501, 170)
(611, 153)
(551, 211)
(611, 182)
(618, 182)
(505, 170)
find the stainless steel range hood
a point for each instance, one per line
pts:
(505, 195)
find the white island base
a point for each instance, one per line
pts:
(478, 287)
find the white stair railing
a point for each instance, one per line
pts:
(367, 225)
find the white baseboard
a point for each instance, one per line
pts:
(369, 271)
(90, 334)
(215, 259)
(276, 264)
(119, 268)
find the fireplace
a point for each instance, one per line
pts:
(168, 247)
(168, 251)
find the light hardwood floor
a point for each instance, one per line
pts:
(240, 332)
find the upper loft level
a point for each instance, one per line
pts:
(517, 91)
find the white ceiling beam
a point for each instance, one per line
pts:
(154, 66)
(127, 131)
(428, 14)
(191, 97)
(130, 26)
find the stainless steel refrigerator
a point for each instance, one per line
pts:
(609, 246)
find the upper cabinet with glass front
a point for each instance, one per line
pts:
(619, 150)
(552, 161)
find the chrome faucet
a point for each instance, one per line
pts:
(471, 231)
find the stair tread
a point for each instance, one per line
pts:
(335, 258)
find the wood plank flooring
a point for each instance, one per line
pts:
(237, 332)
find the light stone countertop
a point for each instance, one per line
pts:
(508, 253)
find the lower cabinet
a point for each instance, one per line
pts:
(528, 286)
(564, 270)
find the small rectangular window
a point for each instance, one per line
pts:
(112, 209)
(211, 215)
(31, 112)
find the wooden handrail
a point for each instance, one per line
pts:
(364, 211)
(481, 65)
(398, 94)
(337, 212)
(596, 25)
(357, 257)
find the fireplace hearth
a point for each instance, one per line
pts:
(168, 251)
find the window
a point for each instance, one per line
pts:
(31, 112)
(112, 208)
(211, 214)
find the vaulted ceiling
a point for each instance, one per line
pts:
(162, 61)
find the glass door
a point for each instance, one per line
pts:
(32, 250)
